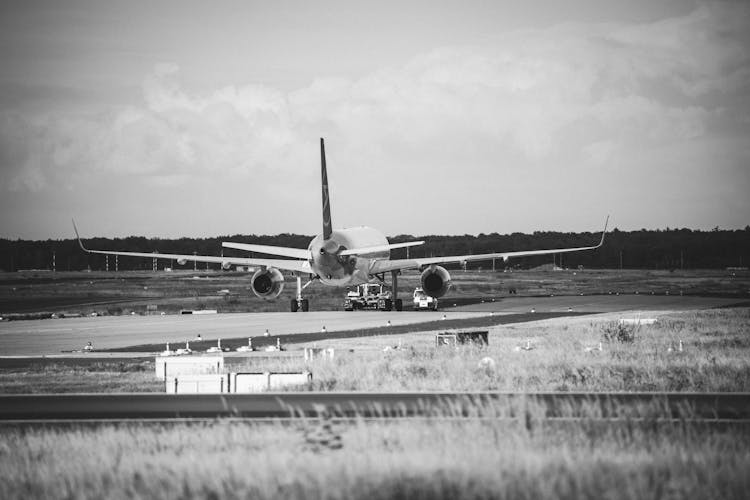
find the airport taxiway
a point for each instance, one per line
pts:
(55, 336)
(599, 303)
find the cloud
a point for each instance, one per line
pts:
(582, 94)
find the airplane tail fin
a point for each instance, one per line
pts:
(327, 227)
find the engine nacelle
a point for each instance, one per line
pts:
(267, 284)
(226, 265)
(435, 281)
(182, 262)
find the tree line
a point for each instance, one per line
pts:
(643, 249)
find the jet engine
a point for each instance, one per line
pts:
(435, 281)
(226, 265)
(182, 262)
(267, 284)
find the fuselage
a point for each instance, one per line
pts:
(346, 270)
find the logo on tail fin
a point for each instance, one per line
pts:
(327, 228)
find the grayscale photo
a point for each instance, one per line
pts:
(383, 250)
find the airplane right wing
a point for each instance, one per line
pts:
(381, 266)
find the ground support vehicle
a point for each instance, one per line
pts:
(373, 297)
(423, 301)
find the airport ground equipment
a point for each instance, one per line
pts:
(421, 300)
(371, 297)
(624, 408)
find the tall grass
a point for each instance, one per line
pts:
(430, 458)
(715, 357)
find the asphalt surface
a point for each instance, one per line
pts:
(631, 407)
(55, 336)
(600, 303)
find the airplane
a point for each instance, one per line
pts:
(340, 258)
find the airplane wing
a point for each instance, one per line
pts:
(301, 266)
(381, 266)
(297, 253)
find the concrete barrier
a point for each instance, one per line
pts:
(268, 381)
(242, 383)
(249, 382)
(283, 380)
(198, 384)
(170, 366)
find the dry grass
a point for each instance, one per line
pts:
(407, 459)
(715, 357)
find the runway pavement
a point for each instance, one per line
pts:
(598, 303)
(53, 336)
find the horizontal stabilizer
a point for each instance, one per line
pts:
(296, 253)
(380, 248)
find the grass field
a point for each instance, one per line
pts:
(430, 458)
(715, 357)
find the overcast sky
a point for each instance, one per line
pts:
(195, 118)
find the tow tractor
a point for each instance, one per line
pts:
(371, 296)
(424, 301)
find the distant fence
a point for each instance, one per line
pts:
(237, 382)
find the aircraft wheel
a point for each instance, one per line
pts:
(305, 305)
(399, 305)
(294, 305)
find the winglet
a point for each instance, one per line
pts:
(606, 222)
(77, 236)
(327, 226)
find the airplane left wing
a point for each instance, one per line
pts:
(301, 266)
(381, 266)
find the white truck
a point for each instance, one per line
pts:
(424, 301)
(372, 296)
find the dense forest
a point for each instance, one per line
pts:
(644, 249)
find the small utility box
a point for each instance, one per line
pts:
(269, 381)
(442, 339)
(478, 337)
(171, 366)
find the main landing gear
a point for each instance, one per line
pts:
(398, 304)
(298, 303)
(394, 302)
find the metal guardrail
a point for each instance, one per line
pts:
(558, 405)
